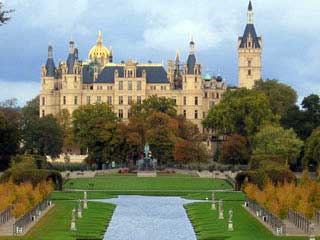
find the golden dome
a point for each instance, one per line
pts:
(99, 51)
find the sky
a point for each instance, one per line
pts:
(154, 30)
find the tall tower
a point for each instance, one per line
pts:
(249, 54)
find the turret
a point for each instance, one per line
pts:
(72, 57)
(191, 61)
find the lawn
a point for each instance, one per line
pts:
(208, 227)
(132, 183)
(55, 224)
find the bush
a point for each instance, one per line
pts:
(276, 176)
(34, 176)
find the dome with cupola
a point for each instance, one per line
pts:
(99, 52)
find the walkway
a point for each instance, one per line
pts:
(145, 218)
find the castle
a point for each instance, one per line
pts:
(74, 83)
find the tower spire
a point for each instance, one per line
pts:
(250, 13)
(71, 44)
(191, 46)
(177, 56)
(99, 41)
(50, 51)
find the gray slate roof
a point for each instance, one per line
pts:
(191, 62)
(250, 29)
(154, 74)
(50, 67)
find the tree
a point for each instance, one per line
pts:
(304, 120)
(281, 96)
(241, 111)
(190, 152)
(235, 151)
(275, 145)
(3, 15)
(64, 120)
(312, 149)
(154, 104)
(94, 127)
(10, 135)
(163, 137)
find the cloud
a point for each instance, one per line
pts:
(23, 91)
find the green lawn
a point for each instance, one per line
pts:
(56, 224)
(208, 227)
(126, 183)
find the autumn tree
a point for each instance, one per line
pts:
(4, 18)
(281, 96)
(64, 119)
(275, 145)
(186, 152)
(312, 149)
(94, 127)
(234, 151)
(241, 111)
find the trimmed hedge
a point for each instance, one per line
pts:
(35, 176)
(276, 175)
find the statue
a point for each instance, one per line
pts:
(312, 235)
(73, 220)
(230, 223)
(213, 205)
(147, 162)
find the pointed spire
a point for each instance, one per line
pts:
(250, 13)
(250, 6)
(99, 41)
(50, 51)
(177, 56)
(71, 45)
(191, 45)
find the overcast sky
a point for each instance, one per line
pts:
(154, 30)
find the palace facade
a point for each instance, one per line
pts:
(73, 83)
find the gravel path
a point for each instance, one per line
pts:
(145, 218)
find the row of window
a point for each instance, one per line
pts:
(130, 85)
(121, 115)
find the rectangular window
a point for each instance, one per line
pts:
(129, 113)
(75, 100)
(184, 100)
(196, 101)
(75, 79)
(88, 100)
(185, 113)
(43, 101)
(43, 113)
(139, 85)
(98, 99)
(109, 100)
(174, 100)
(249, 72)
(120, 85)
(139, 100)
(196, 114)
(249, 63)
(120, 113)
(205, 95)
(120, 100)
(195, 79)
(129, 100)
(129, 85)
(64, 100)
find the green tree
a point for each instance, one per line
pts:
(154, 104)
(281, 96)
(304, 120)
(275, 145)
(9, 135)
(235, 151)
(161, 134)
(94, 127)
(4, 18)
(312, 149)
(241, 112)
(64, 119)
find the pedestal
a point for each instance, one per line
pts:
(79, 214)
(221, 216)
(213, 206)
(85, 204)
(230, 226)
(73, 226)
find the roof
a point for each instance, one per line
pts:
(191, 62)
(250, 30)
(154, 74)
(50, 67)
